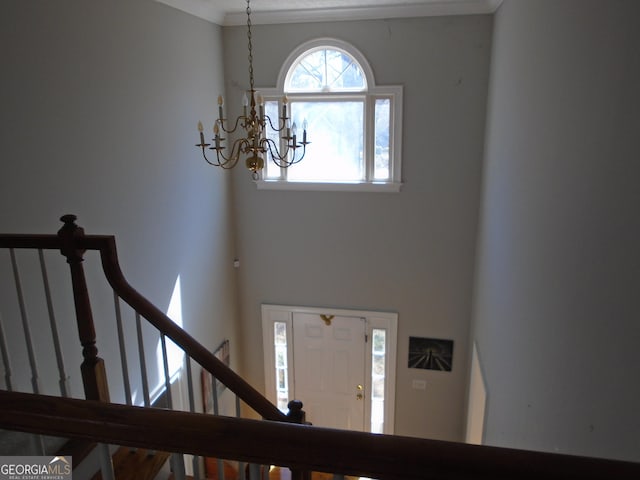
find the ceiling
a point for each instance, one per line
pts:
(233, 12)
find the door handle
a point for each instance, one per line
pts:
(359, 395)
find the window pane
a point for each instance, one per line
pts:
(381, 169)
(379, 340)
(283, 401)
(271, 169)
(337, 134)
(377, 390)
(280, 333)
(281, 356)
(326, 70)
(282, 382)
(378, 365)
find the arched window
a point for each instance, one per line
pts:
(354, 125)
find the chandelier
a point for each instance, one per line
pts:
(255, 144)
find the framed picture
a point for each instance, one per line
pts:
(210, 386)
(430, 353)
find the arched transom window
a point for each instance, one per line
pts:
(325, 69)
(354, 125)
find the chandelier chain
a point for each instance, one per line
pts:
(250, 45)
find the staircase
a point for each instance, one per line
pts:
(148, 439)
(136, 464)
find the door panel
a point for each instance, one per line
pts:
(329, 372)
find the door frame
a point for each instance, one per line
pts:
(373, 320)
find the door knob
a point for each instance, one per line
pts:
(359, 396)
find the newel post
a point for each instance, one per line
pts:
(94, 377)
(297, 415)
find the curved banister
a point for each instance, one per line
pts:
(298, 446)
(107, 248)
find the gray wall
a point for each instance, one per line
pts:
(100, 102)
(412, 252)
(556, 316)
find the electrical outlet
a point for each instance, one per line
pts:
(419, 384)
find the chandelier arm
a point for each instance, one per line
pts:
(282, 160)
(228, 162)
(270, 146)
(235, 126)
(267, 118)
(215, 164)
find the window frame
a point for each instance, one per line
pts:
(369, 95)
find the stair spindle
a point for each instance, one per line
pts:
(6, 361)
(167, 376)
(143, 362)
(35, 382)
(123, 350)
(64, 378)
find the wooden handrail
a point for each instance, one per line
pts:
(106, 245)
(296, 446)
(162, 322)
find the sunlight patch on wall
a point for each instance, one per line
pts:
(175, 355)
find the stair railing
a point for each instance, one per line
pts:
(304, 447)
(72, 242)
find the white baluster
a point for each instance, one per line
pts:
(6, 361)
(241, 465)
(106, 463)
(64, 379)
(192, 408)
(165, 364)
(36, 440)
(214, 393)
(35, 383)
(192, 401)
(143, 362)
(123, 351)
(177, 465)
(220, 466)
(254, 471)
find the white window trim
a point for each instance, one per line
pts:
(373, 91)
(374, 320)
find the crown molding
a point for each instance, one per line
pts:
(209, 11)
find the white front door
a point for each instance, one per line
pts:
(329, 373)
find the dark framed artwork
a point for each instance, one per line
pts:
(430, 353)
(210, 386)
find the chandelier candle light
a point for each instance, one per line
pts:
(255, 144)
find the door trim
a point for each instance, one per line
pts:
(373, 320)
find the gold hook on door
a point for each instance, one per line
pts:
(327, 319)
